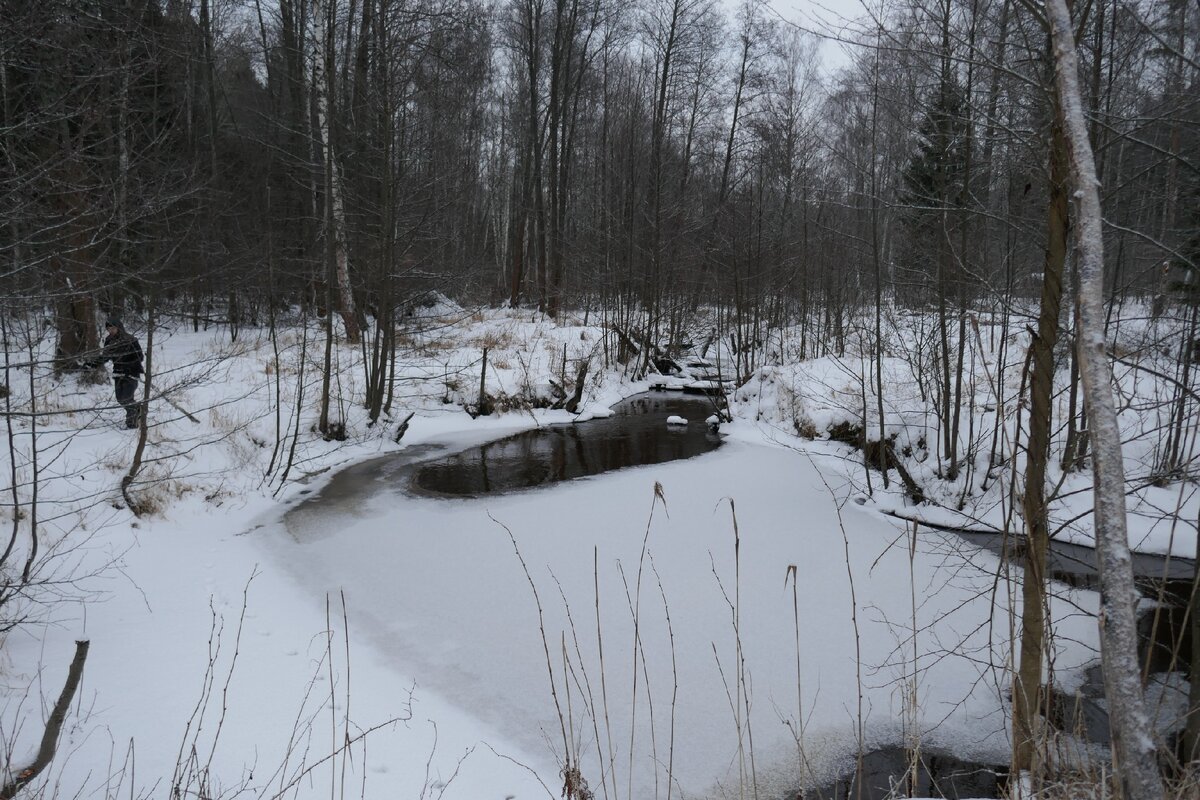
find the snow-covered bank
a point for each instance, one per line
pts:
(808, 399)
(161, 597)
(209, 663)
(440, 640)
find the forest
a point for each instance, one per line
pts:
(939, 236)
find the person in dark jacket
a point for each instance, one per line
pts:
(123, 350)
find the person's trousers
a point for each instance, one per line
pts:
(126, 388)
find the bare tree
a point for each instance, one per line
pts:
(1132, 736)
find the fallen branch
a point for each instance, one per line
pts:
(53, 726)
(937, 526)
(179, 408)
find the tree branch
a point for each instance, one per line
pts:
(53, 726)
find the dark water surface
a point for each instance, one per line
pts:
(887, 773)
(1163, 631)
(636, 434)
(1075, 564)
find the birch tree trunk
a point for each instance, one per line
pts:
(335, 214)
(1133, 742)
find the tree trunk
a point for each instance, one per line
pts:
(1027, 694)
(54, 724)
(335, 214)
(1133, 741)
(877, 263)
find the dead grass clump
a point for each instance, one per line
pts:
(223, 418)
(575, 786)
(805, 427)
(422, 345)
(218, 349)
(495, 340)
(503, 403)
(1096, 782)
(116, 460)
(155, 490)
(147, 504)
(1076, 786)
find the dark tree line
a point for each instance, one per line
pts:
(640, 159)
(229, 158)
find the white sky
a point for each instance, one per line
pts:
(823, 17)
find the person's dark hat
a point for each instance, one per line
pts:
(112, 322)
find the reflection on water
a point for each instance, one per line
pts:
(1163, 629)
(636, 434)
(888, 772)
(1075, 564)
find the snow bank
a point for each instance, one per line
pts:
(835, 398)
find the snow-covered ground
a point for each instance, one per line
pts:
(810, 397)
(741, 623)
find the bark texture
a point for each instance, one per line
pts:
(1133, 742)
(1028, 697)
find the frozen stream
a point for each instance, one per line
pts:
(439, 587)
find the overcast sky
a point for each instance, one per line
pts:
(823, 17)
